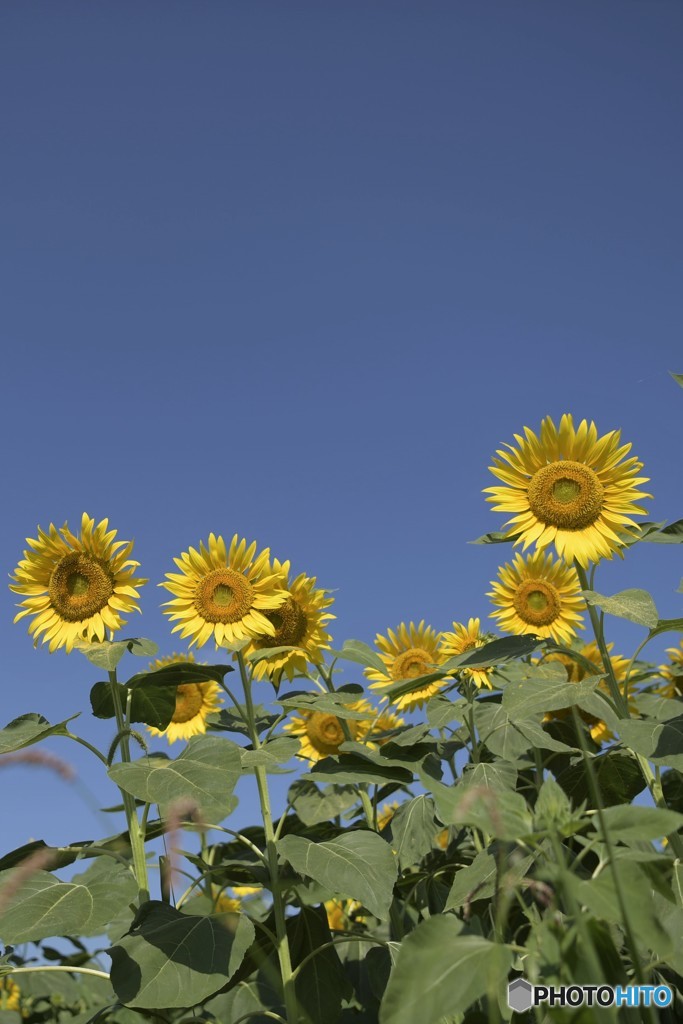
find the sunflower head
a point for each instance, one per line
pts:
(223, 593)
(570, 488)
(672, 673)
(385, 814)
(408, 652)
(194, 702)
(299, 622)
(342, 915)
(589, 663)
(321, 734)
(76, 587)
(10, 994)
(466, 638)
(538, 595)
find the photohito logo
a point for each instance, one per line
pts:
(522, 995)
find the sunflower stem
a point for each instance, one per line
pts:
(283, 951)
(653, 784)
(135, 831)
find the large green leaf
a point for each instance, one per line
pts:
(152, 705)
(633, 605)
(661, 742)
(413, 829)
(356, 767)
(627, 822)
(441, 972)
(178, 673)
(361, 654)
(29, 729)
(498, 811)
(512, 739)
(530, 697)
(313, 805)
(357, 864)
(171, 959)
(600, 895)
(108, 654)
(206, 773)
(272, 754)
(322, 984)
(339, 703)
(44, 906)
(617, 774)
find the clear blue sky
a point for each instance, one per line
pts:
(294, 270)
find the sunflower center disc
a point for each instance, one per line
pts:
(188, 702)
(412, 663)
(224, 596)
(290, 626)
(566, 494)
(325, 732)
(537, 602)
(79, 587)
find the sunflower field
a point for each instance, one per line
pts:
(470, 815)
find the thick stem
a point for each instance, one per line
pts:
(283, 951)
(135, 832)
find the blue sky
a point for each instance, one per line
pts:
(295, 270)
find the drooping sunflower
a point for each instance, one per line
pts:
(223, 593)
(321, 734)
(408, 652)
(466, 638)
(538, 595)
(298, 622)
(193, 703)
(76, 587)
(9, 995)
(672, 673)
(589, 663)
(569, 488)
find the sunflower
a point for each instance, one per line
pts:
(342, 915)
(299, 622)
(374, 731)
(9, 994)
(408, 652)
(193, 703)
(385, 814)
(321, 734)
(223, 594)
(537, 595)
(672, 673)
(76, 587)
(591, 664)
(463, 639)
(569, 488)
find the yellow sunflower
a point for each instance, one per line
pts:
(569, 488)
(321, 734)
(408, 652)
(672, 673)
(462, 639)
(193, 702)
(222, 593)
(372, 731)
(342, 915)
(9, 994)
(385, 814)
(578, 670)
(76, 587)
(299, 622)
(538, 595)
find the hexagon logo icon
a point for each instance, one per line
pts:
(519, 995)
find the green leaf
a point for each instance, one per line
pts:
(667, 626)
(658, 533)
(626, 822)
(512, 739)
(361, 654)
(322, 984)
(44, 906)
(356, 768)
(678, 377)
(29, 729)
(441, 711)
(500, 812)
(313, 805)
(358, 865)
(272, 754)
(206, 773)
(108, 654)
(523, 699)
(338, 704)
(552, 809)
(600, 895)
(660, 742)
(170, 959)
(178, 673)
(440, 973)
(617, 774)
(494, 775)
(413, 829)
(495, 537)
(268, 652)
(477, 881)
(634, 605)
